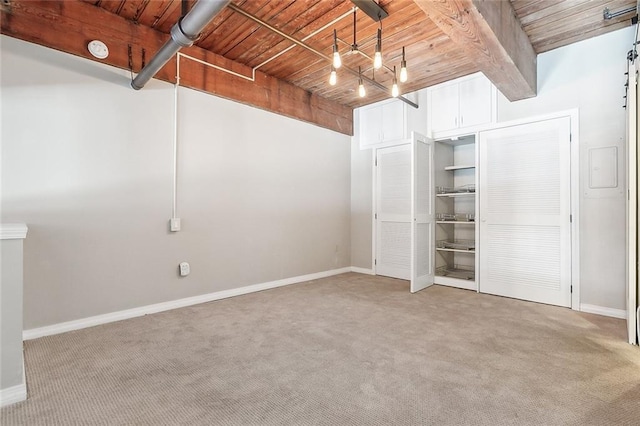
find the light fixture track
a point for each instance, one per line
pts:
(302, 44)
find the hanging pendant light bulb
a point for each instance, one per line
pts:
(361, 91)
(394, 89)
(337, 61)
(377, 57)
(333, 77)
(403, 68)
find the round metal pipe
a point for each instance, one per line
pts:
(183, 34)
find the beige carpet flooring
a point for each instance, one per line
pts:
(350, 349)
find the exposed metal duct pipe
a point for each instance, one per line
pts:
(183, 34)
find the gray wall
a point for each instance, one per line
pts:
(361, 199)
(10, 313)
(589, 76)
(87, 164)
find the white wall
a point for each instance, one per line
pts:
(87, 161)
(589, 75)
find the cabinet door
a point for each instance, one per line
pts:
(525, 203)
(422, 212)
(393, 121)
(475, 102)
(393, 211)
(444, 107)
(370, 126)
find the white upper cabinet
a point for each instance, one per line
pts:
(461, 104)
(389, 122)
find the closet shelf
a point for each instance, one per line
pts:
(457, 191)
(457, 245)
(456, 250)
(457, 271)
(461, 167)
(455, 217)
(455, 222)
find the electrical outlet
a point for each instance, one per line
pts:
(185, 269)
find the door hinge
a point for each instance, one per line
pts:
(375, 215)
(570, 137)
(571, 289)
(376, 162)
(375, 261)
(570, 218)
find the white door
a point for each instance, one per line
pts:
(525, 206)
(393, 212)
(393, 120)
(475, 101)
(370, 126)
(422, 212)
(444, 107)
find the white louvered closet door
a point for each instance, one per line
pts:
(525, 206)
(393, 210)
(422, 211)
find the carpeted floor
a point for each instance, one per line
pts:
(350, 349)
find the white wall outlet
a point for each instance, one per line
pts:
(185, 269)
(174, 224)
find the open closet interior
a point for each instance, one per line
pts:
(455, 211)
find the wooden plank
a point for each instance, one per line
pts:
(579, 35)
(493, 38)
(525, 7)
(63, 26)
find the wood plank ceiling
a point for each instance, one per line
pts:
(242, 45)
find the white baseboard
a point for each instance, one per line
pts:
(63, 327)
(362, 270)
(13, 394)
(600, 310)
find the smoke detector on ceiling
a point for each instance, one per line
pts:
(98, 49)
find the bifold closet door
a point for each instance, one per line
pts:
(393, 211)
(422, 212)
(525, 207)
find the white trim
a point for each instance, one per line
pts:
(14, 394)
(601, 310)
(63, 327)
(374, 204)
(13, 231)
(362, 270)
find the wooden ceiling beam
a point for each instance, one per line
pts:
(68, 26)
(492, 37)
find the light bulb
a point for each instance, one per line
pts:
(403, 72)
(361, 91)
(337, 61)
(333, 78)
(403, 68)
(377, 60)
(394, 90)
